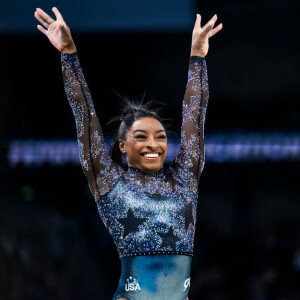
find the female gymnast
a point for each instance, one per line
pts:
(150, 211)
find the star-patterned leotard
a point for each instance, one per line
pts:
(151, 217)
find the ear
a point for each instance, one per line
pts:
(122, 146)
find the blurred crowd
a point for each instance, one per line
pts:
(42, 256)
(47, 255)
(248, 267)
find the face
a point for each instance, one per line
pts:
(145, 145)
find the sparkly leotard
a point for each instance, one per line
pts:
(151, 217)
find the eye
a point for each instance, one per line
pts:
(162, 136)
(140, 136)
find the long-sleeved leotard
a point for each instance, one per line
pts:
(146, 214)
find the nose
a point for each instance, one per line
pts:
(152, 143)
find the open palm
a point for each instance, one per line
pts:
(57, 31)
(202, 34)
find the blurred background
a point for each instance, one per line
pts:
(53, 244)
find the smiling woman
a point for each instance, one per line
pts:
(142, 137)
(149, 211)
(145, 145)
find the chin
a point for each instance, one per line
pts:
(150, 166)
(153, 168)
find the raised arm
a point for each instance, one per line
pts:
(189, 162)
(102, 173)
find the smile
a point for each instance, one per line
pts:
(150, 155)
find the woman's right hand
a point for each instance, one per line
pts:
(58, 32)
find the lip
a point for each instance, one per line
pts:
(151, 158)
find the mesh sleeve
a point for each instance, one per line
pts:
(189, 162)
(101, 172)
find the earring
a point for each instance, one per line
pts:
(123, 151)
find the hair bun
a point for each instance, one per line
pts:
(132, 110)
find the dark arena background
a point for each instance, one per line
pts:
(53, 244)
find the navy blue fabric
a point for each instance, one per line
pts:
(163, 277)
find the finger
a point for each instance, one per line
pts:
(213, 19)
(215, 30)
(197, 22)
(57, 14)
(42, 29)
(208, 28)
(39, 18)
(45, 16)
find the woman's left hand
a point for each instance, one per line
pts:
(202, 34)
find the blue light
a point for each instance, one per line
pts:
(219, 148)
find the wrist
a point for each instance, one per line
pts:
(197, 52)
(69, 50)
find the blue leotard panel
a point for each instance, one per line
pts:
(163, 277)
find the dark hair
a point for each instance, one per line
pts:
(130, 112)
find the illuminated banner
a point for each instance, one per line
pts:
(218, 148)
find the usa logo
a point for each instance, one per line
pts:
(132, 284)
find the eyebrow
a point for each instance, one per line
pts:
(144, 131)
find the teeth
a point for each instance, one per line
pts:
(151, 155)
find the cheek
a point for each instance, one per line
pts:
(165, 147)
(134, 148)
